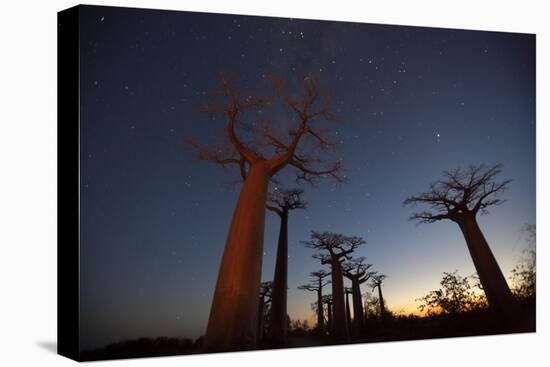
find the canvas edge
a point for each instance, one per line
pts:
(68, 172)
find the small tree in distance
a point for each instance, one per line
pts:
(327, 300)
(459, 197)
(456, 295)
(263, 307)
(524, 274)
(376, 283)
(316, 284)
(335, 248)
(357, 272)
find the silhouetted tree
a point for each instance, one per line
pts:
(372, 306)
(281, 202)
(316, 285)
(524, 274)
(259, 151)
(459, 197)
(376, 282)
(327, 300)
(347, 292)
(299, 328)
(456, 295)
(336, 248)
(266, 290)
(357, 272)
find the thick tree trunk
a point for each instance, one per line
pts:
(381, 300)
(348, 312)
(320, 316)
(234, 310)
(260, 326)
(357, 307)
(339, 324)
(277, 322)
(492, 280)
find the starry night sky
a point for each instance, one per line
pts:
(411, 102)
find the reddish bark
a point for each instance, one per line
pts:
(232, 324)
(233, 314)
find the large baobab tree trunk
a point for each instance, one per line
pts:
(277, 322)
(492, 280)
(234, 311)
(339, 324)
(357, 307)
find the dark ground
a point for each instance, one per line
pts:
(393, 329)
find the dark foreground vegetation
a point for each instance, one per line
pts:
(394, 328)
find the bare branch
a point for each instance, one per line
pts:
(308, 287)
(337, 245)
(309, 175)
(252, 136)
(460, 191)
(427, 217)
(377, 280)
(357, 269)
(282, 201)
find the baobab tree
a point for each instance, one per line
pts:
(264, 300)
(316, 284)
(253, 144)
(460, 196)
(357, 272)
(376, 282)
(347, 292)
(371, 307)
(281, 202)
(335, 248)
(327, 300)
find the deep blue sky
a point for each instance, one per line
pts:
(411, 102)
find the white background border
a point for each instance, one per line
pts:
(28, 182)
